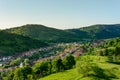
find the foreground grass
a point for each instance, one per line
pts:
(111, 70)
(66, 75)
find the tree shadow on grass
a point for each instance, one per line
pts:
(114, 62)
(99, 74)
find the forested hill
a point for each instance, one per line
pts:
(41, 32)
(12, 43)
(98, 31)
(44, 33)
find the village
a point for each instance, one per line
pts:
(50, 52)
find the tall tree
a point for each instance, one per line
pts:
(69, 62)
(57, 65)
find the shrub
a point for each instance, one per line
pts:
(84, 68)
(57, 65)
(69, 62)
(41, 69)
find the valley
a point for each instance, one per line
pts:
(37, 52)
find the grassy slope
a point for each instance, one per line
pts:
(111, 69)
(66, 75)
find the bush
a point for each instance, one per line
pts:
(18, 74)
(41, 69)
(69, 62)
(21, 73)
(57, 65)
(84, 68)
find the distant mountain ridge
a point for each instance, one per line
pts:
(41, 32)
(98, 31)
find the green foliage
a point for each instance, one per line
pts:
(20, 73)
(42, 68)
(57, 65)
(51, 66)
(112, 47)
(24, 38)
(31, 77)
(26, 70)
(99, 72)
(99, 69)
(110, 58)
(15, 62)
(70, 35)
(108, 52)
(10, 76)
(114, 59)
(44, 33)
(117, 50)
(26, 62)
(11, 44)
(112, 43)
(69, 62)
(98, 31)
(84, 68)
(108, 48)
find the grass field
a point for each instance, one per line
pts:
(111, 70)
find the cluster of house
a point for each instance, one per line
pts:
(31, 52)
(5, 60)
(97, 43)
(52, 55)
(74, 50)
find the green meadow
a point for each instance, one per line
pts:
(105, 70)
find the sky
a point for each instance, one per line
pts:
(61, 14)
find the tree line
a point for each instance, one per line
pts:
(41, 69)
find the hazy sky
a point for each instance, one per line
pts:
(60, 14)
